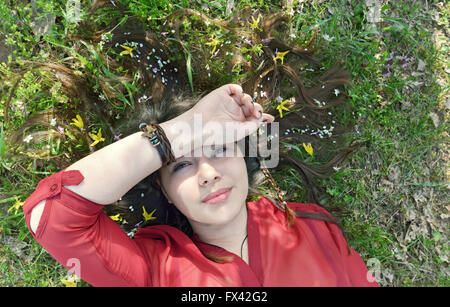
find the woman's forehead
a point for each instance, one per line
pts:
(206, 150)
(199, 152)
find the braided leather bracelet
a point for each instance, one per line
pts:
(158, 139)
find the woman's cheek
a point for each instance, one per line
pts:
(186, 191)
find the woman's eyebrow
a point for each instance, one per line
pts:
(179, 159)
(191, 155)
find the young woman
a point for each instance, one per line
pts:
(65, 216)
(206, 232)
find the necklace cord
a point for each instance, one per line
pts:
(242, 245)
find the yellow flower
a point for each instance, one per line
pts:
(280, 55)
(78, 122)
(97, 138)
(147, 216)
(71, 282)
(308, 148)
(255, 23)
(16, 206)
(115, 217)
(214, 42)
(128, 50)
(281, 107)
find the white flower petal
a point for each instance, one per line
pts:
(28, 139)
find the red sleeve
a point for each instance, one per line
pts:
(352, 263)
(80, 236)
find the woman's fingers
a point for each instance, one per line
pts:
(267, 118)
(234, 90)
(258, 113)
(257, 110)
(252, 124)
(252, 111)
(244, 100)
(247, 105)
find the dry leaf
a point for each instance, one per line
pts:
(419, 197)
(406, 105)
(18, 247)
(5, 50)
(389, 186)
(421, 65)
(230, 6)
(374, 11)
(435, 119)
(410, 214)
(394, 173)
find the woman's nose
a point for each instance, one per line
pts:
(207, 173)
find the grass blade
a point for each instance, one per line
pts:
(189, 71)
(2, 145)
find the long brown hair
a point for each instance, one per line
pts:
(168, 74)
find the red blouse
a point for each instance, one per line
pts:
(75, 230)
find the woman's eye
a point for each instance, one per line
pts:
(182, 164)
(222, 149)
(179, 166)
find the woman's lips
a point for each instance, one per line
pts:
(218, 196)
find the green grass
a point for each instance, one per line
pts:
(394, 189)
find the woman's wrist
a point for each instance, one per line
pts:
(180, 133)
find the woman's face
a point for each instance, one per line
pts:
(188, 180)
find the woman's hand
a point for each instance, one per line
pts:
(230, 109)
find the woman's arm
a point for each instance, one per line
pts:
(113, 170)
(65, 214)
